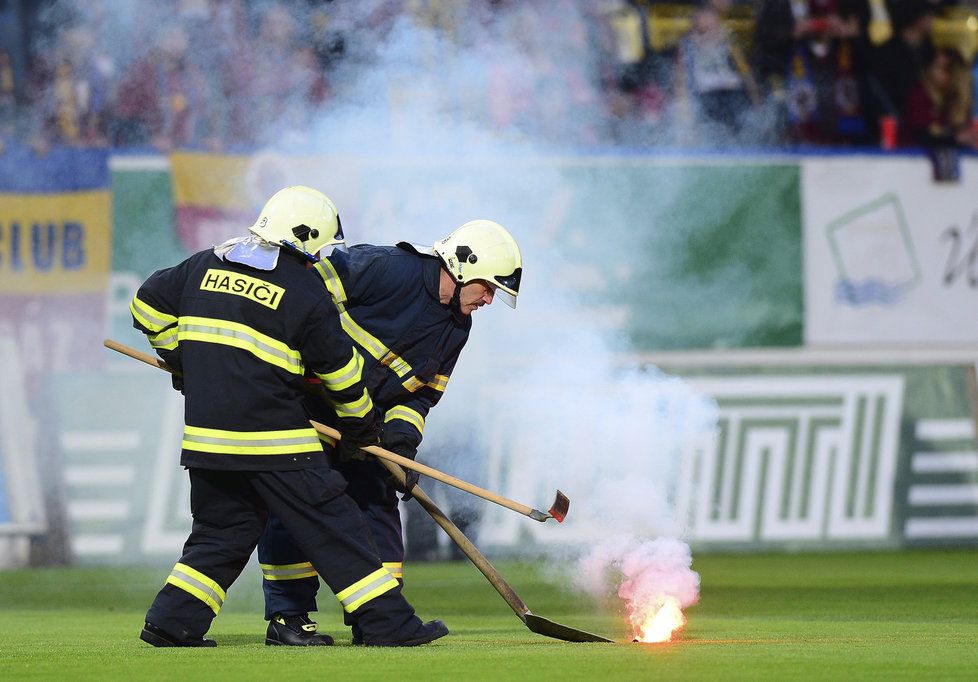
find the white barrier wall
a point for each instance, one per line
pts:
(21, 500)
(891, 257)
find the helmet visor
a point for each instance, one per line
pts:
(504, 296)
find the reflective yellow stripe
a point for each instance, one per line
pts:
(332, 280)
(345, 377)
(362, 591)
(199, 585)
(396, 363)
(165, 340)
(373, 345)
(288, 571)
(262, 346)
(396, 568)
(150, 317)
(439, 383)
(357, 408)
(368, 341)
(412, 417)
(413, 384)
(362, 336)
(217, 441)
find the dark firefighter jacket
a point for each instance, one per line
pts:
(388, 302)
(244, 338)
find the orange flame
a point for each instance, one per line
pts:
(658, 622)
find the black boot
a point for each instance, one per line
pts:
(427, 632)
(294, 631)
(357, 635)
(157, 637)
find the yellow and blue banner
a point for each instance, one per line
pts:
(55, 222)
(55, 252)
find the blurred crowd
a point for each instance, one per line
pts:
(237, 75)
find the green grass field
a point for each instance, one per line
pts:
(833, 616)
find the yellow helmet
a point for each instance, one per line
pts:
(483, 249)
(301, 216)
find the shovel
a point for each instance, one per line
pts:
(538, 624)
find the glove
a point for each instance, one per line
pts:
(402, 444)
(346, 450)
(176, 380)
(356, 434)
(411, 479)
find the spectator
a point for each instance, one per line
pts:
(286, 83)
(218, 32)
(896, 66)
(565, 89)
(714, 83)
(937, 111)
(629, 72)
(510, 80)
(71, 92)
(805, 52)
(8, 99)
(164, 98)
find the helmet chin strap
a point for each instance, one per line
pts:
(456, 304)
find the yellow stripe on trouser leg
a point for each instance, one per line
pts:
(370, 587)
(199, 585)
(288, 571)
(396, 568)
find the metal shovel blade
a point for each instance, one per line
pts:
(560, 507)
(548, 628)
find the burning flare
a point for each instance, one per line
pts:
(656, 622)
(654, 582)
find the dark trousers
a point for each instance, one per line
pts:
(279, 552)
(230, 510)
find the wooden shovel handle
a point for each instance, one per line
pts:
(425, 470)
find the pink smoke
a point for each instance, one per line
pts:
(651, 577)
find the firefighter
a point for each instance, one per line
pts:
(408, 309)
(242, 323)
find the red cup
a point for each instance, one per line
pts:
(888, 132)
(819, 24)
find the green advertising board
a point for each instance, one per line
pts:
(809, 456)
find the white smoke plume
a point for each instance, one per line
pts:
(429, 128)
